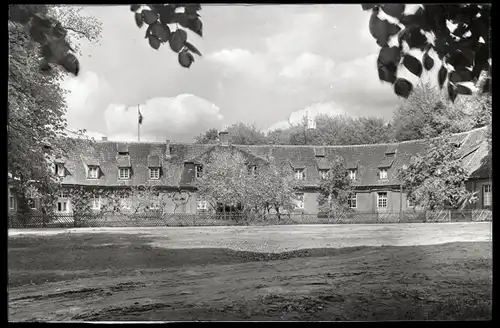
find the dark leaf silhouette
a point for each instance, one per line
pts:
(428, 62)
(148, 32)
(387, 73)
(134, 8)
(368, 6)
(394, 9)
(185, 58)
(389, 55)
(138, 20)
(417, 19)
(70, 63)
(458, 60)
(161, 31)
(381, 30)
(413, 65)
(19, 14)
(403, 87)
(167, 15)
(463, 90)
(37, 34)
(149, 16)
(154, 42)
(414, 38)
(192, 48)
(442, 76)
(178, 39)
(460, 76)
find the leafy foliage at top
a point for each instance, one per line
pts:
(335, 190)
(160, 18)
(464, 51)
(436, 179)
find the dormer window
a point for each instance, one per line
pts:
(299, 174)
(323, 174)
(352, 174)
(383, 173)
(93, 172)
(154, 173)
(60, 171)
(124, 173)
(199, 171)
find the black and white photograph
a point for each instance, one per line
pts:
(227, 162)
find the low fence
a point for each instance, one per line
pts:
(234, 219)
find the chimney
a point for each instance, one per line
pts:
(224, 138)
(104, 138)
(167, 149)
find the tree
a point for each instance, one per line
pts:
(245, 134)
(436, 179)
(427, 114)
(37, 130)
(335, 190)
(464, 51)
(211, 136)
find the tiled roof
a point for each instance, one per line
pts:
(154, 160)
(385, 162)
(175, 170)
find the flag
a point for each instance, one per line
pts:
(140, 117)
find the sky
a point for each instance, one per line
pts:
(261, 65)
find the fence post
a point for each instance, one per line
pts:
(449, 215)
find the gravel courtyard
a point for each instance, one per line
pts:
(308, 272)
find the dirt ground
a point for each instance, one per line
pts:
(341, 272)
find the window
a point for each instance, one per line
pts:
(323, 174)
(383, 173)
(63, 194)
(352, 200)
(352, 174)
(62, 206)
(12, 202)
(299, 174)
(252, 169)
(93, 172)
(199, 171)
(382, 200)
(154, 173)
(201, 204)
(124, 173)
(32, 203)
(60, 169)
(96, 203)
(487, 200)
(299, 203)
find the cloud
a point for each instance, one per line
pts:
(177, 118)
(309, 65)
(330, 108)
(81, 92)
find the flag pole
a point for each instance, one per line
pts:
(138, 124)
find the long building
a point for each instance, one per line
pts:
(174, 167)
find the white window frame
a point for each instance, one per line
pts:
(383, 173)
(487, 195)
(201, 204)
(198, 171)
(155, 176)
(98, 207)
(60, 169)
(93, 169)
(352, 174)
(352, 197)
(12, 203)
(66, 206)
(300, 201)
(380, 199)
(300, 174)
(63, 194)
(124, 169)
(324, 174)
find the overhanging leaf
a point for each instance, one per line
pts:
(70, 64)
(192, 48)
(417, 19)
(185, 58)
(161, 31)
(149, 16)
(394, 9)
(138, 20)
(134, 8)
(414, 38)
(442, 76)
(154, 42)
(428, 62)
(178, 39)
(368, 6)
(412, 64)
(458, 60)
(381, 30)
(463, 90)
(19, 14)
(403, 87)
(167, 15)
(460, 76)
(387, 73)
(148, 32)
(389, 55)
